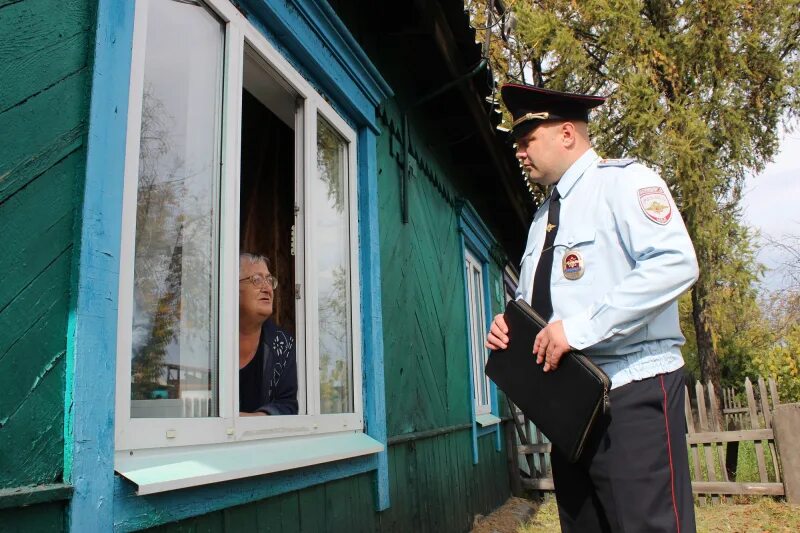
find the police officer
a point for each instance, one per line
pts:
(607, 257)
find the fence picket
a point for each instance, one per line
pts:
(764, 401)
(773, 389)
(704, 427)
(762, 391)
(755, 423)
(698, 475)
(714, 412)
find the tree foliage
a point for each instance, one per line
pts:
(696, 90)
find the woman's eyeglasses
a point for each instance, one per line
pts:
(261, 281)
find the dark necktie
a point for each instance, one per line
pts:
(540, 299)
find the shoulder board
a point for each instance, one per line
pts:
(615, 162)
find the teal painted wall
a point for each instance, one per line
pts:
(44, 95)
(46, 517)
(425, 344)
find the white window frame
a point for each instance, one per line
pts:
(477, 325)
(153, 437)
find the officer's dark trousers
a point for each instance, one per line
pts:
(633, 477)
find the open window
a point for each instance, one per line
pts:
(230, 150)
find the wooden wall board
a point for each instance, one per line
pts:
(32, 377)
(40, 49)
(47, 517)
(42, 136)
(423, 289)
(44, 65)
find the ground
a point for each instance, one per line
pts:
(745, 515)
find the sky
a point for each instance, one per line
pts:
(771, 203)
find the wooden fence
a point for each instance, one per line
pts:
(713, 436)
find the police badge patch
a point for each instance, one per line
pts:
(655, 204)
(572, 265)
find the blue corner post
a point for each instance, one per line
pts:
(372, 314)
(91, 342)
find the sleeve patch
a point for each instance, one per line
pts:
(615, 162)
(655, 204)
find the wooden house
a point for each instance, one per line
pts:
(144, 145)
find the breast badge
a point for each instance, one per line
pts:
(573, 265)
(655, 204)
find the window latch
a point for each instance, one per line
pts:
(297, 291)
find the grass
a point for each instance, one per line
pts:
(763, 515)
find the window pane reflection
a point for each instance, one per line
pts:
(476, 324)
(174, 367)
(332, 270)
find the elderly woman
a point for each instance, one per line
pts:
(267, 366)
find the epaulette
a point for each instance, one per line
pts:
(615, 162)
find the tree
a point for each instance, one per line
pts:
(695, 90)
(781, 358)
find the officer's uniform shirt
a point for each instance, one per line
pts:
(627, 245)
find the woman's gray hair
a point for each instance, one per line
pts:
(252, 259)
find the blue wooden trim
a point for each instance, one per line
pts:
(91, 341)
(371, 307)
(132, 512)
(477, 235)
(470, 388)
(311, 33)
(479, 240)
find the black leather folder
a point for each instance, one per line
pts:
(564, 403)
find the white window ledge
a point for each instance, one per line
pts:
(487, 420)
(161, 470)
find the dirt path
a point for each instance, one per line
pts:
(507, 518)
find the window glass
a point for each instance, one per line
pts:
(174, 366)
(477, 326)
(328, 192)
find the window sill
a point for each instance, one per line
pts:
(487, 420)
(154, 471)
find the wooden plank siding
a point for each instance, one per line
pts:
(47, 517)
(425, 322)
(44, 96)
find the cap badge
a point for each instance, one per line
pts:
(655, 204)
(530, 116)
(573, 265)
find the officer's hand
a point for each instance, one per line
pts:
(497, 338)
(550, 346)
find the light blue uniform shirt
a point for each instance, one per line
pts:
(618, 219)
